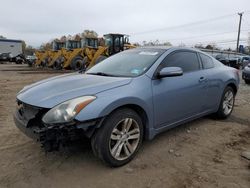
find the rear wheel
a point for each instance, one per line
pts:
(119, 138)
(226, 104)
(44, 63)
(57, 65)
(84, 63)
(76, 63)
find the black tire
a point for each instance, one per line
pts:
(100, 59)
(84, 64)
(58, 65)
(247, 81)
(101, 141)
(76, 63)
(30, 63)
(44, 63)
(221, 114)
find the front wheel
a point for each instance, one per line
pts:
(226, 104)
(58, 65)
(76, 63)
(119, 138)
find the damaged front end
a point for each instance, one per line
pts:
(29, 120)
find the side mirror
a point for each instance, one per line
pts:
(170, 72)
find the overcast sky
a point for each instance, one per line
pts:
(39, 21)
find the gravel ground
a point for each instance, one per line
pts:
(202, 153)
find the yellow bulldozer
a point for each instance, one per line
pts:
(58, 47)
(82, 53)
(44, 57)
(72, 56)
(113, 43)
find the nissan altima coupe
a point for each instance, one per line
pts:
(129, 97)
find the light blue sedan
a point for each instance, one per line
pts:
(129, 97)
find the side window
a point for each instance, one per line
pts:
(207, 61)
(188, 61)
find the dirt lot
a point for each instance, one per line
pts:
(203, 153)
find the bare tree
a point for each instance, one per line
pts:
(89, 33)
(200, 46)
(167, 44)
(63, 38)
(23, 46)
(77, 37)
(29, 50)
(182, 45)
(156, 43)
(46, 46)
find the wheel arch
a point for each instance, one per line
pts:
(140, 111)
(233, 86)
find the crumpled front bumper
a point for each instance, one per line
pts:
(21, 125)
(51, 137)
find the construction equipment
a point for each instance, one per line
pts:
(114, 43)
(41, 55)
(72, 57)
(81, 53)
(58, 47)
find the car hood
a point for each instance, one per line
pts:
(50, 92)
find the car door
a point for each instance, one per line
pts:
(212, 95)
(180, 97)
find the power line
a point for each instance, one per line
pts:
(219, 44)
(248, 24)
(205, 35)
(186, 25)
(223, 41)
(247, 11)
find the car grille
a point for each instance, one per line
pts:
(29, 114)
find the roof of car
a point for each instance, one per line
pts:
(169, 47)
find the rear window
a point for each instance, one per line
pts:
(207, 61)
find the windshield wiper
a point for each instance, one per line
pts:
(100, 74)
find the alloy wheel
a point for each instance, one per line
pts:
(124, 139)
(228, 102)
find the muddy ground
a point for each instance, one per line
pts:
(203, 153)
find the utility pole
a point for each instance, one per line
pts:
(238, 39)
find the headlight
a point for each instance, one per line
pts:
(66, 111)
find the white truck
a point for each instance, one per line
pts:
(11, 50)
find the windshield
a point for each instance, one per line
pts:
(130, 63)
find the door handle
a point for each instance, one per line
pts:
(202, 79)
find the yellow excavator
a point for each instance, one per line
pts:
(39, 57)
(58, 47)
(42, 57)
(114, 43)
(84, 53)
(72, 56)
